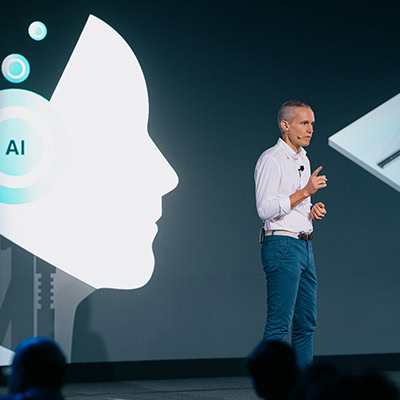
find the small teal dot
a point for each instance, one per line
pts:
(37, 30)
(15, 68)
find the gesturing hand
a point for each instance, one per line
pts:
(315, 182)
(318, 211)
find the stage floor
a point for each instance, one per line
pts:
(232, 388)
(173, 389)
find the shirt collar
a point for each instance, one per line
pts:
(289, 151)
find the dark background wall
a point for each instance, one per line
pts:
(217, 72)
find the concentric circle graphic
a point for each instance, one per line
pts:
(31, 146)
(20, 146)
(37, 30)
(15, 68)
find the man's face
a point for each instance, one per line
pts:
(300, 130)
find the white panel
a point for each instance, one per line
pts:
(372, 139)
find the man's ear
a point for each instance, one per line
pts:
(284, 125)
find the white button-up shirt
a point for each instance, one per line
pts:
(277, 176)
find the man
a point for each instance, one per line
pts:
(284, 185)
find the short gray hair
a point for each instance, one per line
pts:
(287, 111)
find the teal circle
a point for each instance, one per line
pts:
(20, 147)
(21, 125)
(37, 30)
(15, 68)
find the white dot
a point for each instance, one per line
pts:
(37, 30)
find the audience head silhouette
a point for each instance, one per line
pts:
(317, 376)
(274, 371)
(38, 363)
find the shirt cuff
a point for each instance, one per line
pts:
(284, 205)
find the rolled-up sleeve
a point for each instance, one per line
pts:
(267, 178)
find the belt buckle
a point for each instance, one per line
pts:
(305, 236)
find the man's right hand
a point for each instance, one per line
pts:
(315, 182)
(313, 185)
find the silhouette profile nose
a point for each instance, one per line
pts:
(161, 172)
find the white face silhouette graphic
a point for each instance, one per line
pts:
(98, 221)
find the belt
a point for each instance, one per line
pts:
(296, 235)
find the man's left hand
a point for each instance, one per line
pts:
(318, 211)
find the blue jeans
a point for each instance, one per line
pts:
(291, 292)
